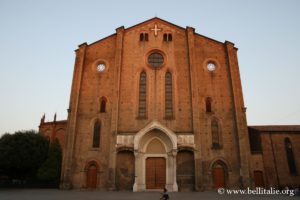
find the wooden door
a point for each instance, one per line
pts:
(259, 179)
(91, 178)
(219, 177)
(155, 173)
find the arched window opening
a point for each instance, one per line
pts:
(170, 37)
(96, 135)
(103, 105)
(143, 37)
(208, 102)
(167, 37)
(168, 96)
(142, 95)
(215, 134)
(290, 156)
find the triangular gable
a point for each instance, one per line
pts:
(157, 20)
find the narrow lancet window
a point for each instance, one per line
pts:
(96, 134)
(168, 96)
(103, 105)
(208, 104)
(142, 95)
(215, 132)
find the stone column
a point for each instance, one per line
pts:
(172, 180)
(136, 171)
(174, 155)
(139, 182)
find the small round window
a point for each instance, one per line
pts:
(211, 66)
(156, 60)
(101, 67)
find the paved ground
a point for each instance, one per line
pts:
(52, 194)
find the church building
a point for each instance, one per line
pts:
(158, 106)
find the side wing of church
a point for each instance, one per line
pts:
(156, 106)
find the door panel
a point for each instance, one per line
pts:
(219, 177)
(160, 173)
(155, 173)
(92, 177)
(150, 173)
(259, 179)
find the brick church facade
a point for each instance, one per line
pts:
(157, 105)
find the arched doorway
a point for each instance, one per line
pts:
(219, 173)
(91, 176)
(259, 179)
(125, 170)
(185, 170)
(155, 148)
(155, 165)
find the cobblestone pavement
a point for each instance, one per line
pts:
(53, 194)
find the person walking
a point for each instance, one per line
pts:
(165, 195)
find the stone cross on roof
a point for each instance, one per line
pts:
(155, 29)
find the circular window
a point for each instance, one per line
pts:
(101, 67)
(211, 66)
(156, 60)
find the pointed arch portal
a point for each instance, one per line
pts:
(155, 149)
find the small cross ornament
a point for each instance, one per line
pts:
(155, 29)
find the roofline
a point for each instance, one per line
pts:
(257, 126)
(276, 128)
(103, 39)
(180, 27)
(165, 21)
(53, 122)
(210, 38)
(154, 19)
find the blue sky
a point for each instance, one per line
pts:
(38, 39)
